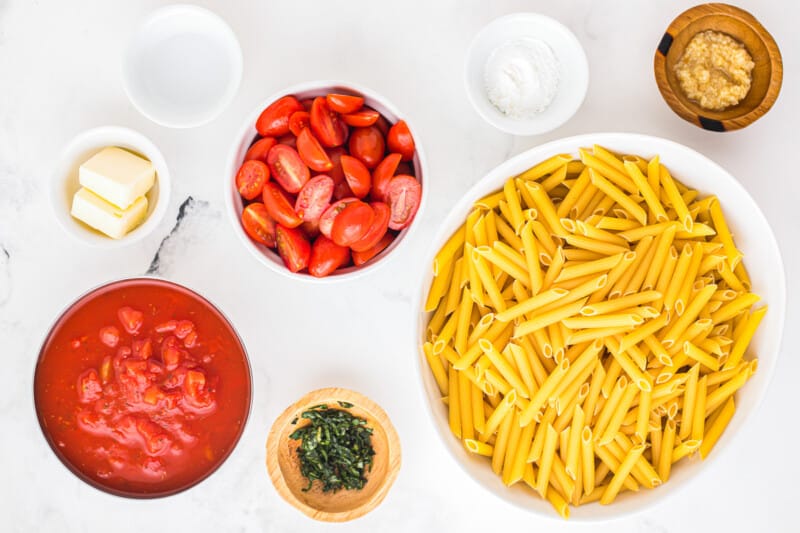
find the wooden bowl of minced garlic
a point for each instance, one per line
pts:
(718, 68)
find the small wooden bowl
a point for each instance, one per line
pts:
(284, 466)
(742, 26)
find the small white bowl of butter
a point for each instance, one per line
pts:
(110, 187)
(526, 74)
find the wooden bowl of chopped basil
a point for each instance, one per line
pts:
(334, 454)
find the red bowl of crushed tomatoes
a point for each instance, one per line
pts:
(142, 388)
(325, 181)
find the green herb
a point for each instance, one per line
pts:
(335, 448)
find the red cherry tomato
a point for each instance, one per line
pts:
(330, 214)
(326, 256)
(279, 207)
(288, 140)
(312, 153)
(335, 155)
(344, 103)
(326, 124)
(400, 140)
(368, 145)
(251, 178)
(352, 223)
(342, 190)
(383, 125)
(357, 176)
(359, 258)
(293, 248)
(361, 119)
(314, 198)
(298, 121)
(259, 149)
(274, 120)
(377, 230)
(403, 195)
(287, 168)
(258, 224)
(383, 174)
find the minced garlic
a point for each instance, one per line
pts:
(715, 70)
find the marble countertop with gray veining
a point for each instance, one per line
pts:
(60, 75)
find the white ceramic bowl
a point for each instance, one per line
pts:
(64, 183)
(761, 256)
(573, 71)
(247, 134)
(182, 66)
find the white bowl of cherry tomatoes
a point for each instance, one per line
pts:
(325, 181)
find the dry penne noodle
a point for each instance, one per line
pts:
(589, 326)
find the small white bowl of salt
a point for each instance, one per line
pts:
(526, 73)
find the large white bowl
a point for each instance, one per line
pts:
(64, 183)
(247, 134)
(761, 256)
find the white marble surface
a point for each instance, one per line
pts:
(59, 75)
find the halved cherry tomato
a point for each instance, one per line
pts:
(311, 229)
(293, 248)
(405, 168)
(314, 198)
(344, 103)
(377, 230)
(342, 190)
(287, 167)
(326, 256)
(361, 119)
(279, 207)
(359, 258)
(288, 140)
(335, 155)
(258, 224)
(400, 140)
(383, 174)
(298, 121)
(327, 218)
(383, 125)
(274, 120)
(403, 195)
(251, 178)
(307, 103)
(131, 319)
(357, 176)
(259, 149)
(368, 145)
(352, 223)
(312, 153)
(327, 125)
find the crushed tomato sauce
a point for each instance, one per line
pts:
(142, 387)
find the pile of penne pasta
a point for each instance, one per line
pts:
(588, 326)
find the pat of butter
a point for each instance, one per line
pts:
(106, 217)
(118, 176)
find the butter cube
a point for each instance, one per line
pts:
(118, 176)
(106, 217)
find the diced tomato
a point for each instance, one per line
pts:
(190, 341)
(251, 177)
(105, 369)
(168, 326)
(89, 386)
(109, 336)
(298, 122)
(352, 223)
(142, 349)
(274, 120)
(279, 208)
(361, 119)
(131, 319)
(344, 103)
(403, 195)
(312, 153)
(314, 198)
(293, 247)
(171, 356)
(326, 220)
(152, 395)
(382, 175)
(327, 256)
(368, 145)
(359, 258)
(327, 125)
(377, 230)
(400, 140)
(258, 225)
(194, 383)
(357, 176)
(258, 150)
(287, 168)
